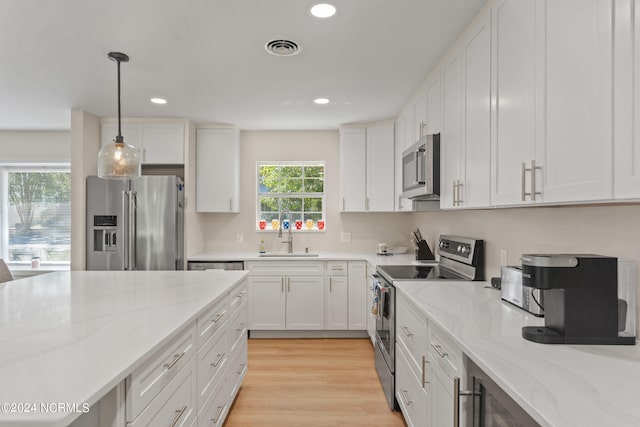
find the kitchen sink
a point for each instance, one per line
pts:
(288, 255)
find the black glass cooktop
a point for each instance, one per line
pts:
(417, 272)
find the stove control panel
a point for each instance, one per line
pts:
(455, 248)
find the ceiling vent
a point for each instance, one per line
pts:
(283, 47)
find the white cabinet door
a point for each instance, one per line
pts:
(434, 106)
(576, 158)
(420, 115)
(337, 298)
(267, 302)
(451, 137)
(516, 97)
(474, 188)
(380, 168)
(305, 302)
(217, 170)
(441, 397)
(163, 143)
(357, 295)
(352, 170)
(627, 99)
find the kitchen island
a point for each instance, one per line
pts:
(68, 339)
(558, 385)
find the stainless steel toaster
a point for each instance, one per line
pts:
(524, 297)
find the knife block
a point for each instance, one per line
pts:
(423, 252)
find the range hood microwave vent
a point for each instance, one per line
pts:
(421, 169)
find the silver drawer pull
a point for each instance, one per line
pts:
(241, 294)
(405, 394)
(217, 318)
(406, 331)
(175, 360)
(221, 409)
(241, 327)
(424, 371)
(179, 413)
(242, 365)
(220, 357)
(438, 350)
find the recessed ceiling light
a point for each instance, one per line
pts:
(158, 100)
(323, 10)
(321, 101)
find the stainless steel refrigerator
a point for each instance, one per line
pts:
(135, 224)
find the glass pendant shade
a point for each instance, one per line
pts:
(118, 160)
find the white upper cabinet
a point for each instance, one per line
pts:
(451, 136)
(434, 99)
(402, 141)
(380, 168)
(367, 169)
(576, 158)
(217, 170)
(516, 95)
(160, 143)
(420, 115)
(353, 169)
(552, 132)
(474, 189)
(627, 98)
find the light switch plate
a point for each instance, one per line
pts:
(345, 237)
(239, 238)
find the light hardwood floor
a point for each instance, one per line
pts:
(311, 382)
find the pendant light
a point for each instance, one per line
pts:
(118, 160)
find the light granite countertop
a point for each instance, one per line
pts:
(70, 337)
(558, 385)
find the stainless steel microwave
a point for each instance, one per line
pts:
(421, 169)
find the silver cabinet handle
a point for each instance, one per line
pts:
(217, 318)
(288, 284)
(220, 357)
(399, 202)
(179, 413)
(230, 205)
(438, 350)
(241, 327)
(242, 365)
(174, 361)
(330, 285)
(343, 203)
(524, 185)
(453, 192)
(406, 331)
(405, 394)
(282, 285)
(221, 409)
(534, 193)
(458, 197)
(424, 371)
(367, 203)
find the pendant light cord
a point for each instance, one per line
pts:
(119, 57)
(119, 137)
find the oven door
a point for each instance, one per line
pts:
(490, 406)
(385, 320)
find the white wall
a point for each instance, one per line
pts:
(220, 230)
(35, 146)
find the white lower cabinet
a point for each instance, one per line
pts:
(357, 295)
(337, 304)
(441, 397)
(411, 396)
(305, 302)
(197, 372)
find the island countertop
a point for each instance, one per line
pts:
(70, 337)
(558, 385)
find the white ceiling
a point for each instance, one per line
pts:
(207, 58)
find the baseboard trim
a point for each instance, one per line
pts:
(308, 334)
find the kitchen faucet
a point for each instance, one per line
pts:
(289, 240)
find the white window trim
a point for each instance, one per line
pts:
(291, 163)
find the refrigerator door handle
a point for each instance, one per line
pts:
(132, 229)
(125, 230)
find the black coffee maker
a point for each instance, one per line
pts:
(581, 304)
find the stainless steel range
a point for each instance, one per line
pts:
(461, 258)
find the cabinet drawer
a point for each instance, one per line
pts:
(146, 382)
(445, 353)
(411, 397)
(211, 321)
(175, 405)
(337, 268)
(237, 371)
(286, 268)
(215, 409)
(212, 362)
(411, 330)
(237, 296)
(238, 327)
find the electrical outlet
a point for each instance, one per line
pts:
(239, 238)
(345, 237)
(503, 257)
